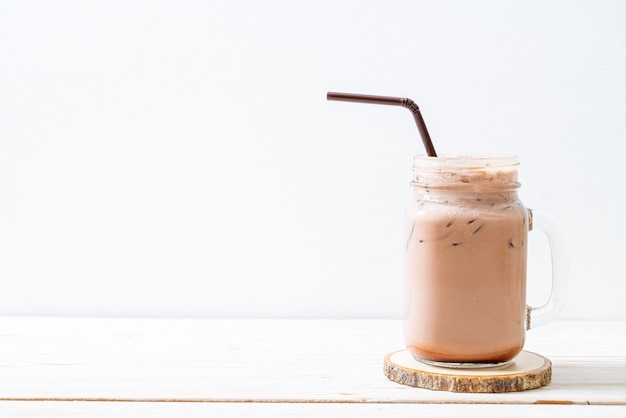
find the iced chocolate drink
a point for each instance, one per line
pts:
(465, 261)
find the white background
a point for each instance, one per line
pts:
(178, 158)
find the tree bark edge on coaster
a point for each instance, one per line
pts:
(527, 371)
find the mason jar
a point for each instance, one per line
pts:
(466, 241)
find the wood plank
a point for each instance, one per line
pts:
(274, 361)
(96, 409)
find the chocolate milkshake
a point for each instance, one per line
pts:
(465, 261)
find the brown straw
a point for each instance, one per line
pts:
(392, 101)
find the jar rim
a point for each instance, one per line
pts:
(465, 162)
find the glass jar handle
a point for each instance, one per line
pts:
(549, 310)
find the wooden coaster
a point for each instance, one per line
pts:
(527, 371)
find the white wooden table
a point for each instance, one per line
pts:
(196, 367)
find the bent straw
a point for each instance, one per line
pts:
(392, 101)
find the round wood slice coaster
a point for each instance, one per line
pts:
(527, 371)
